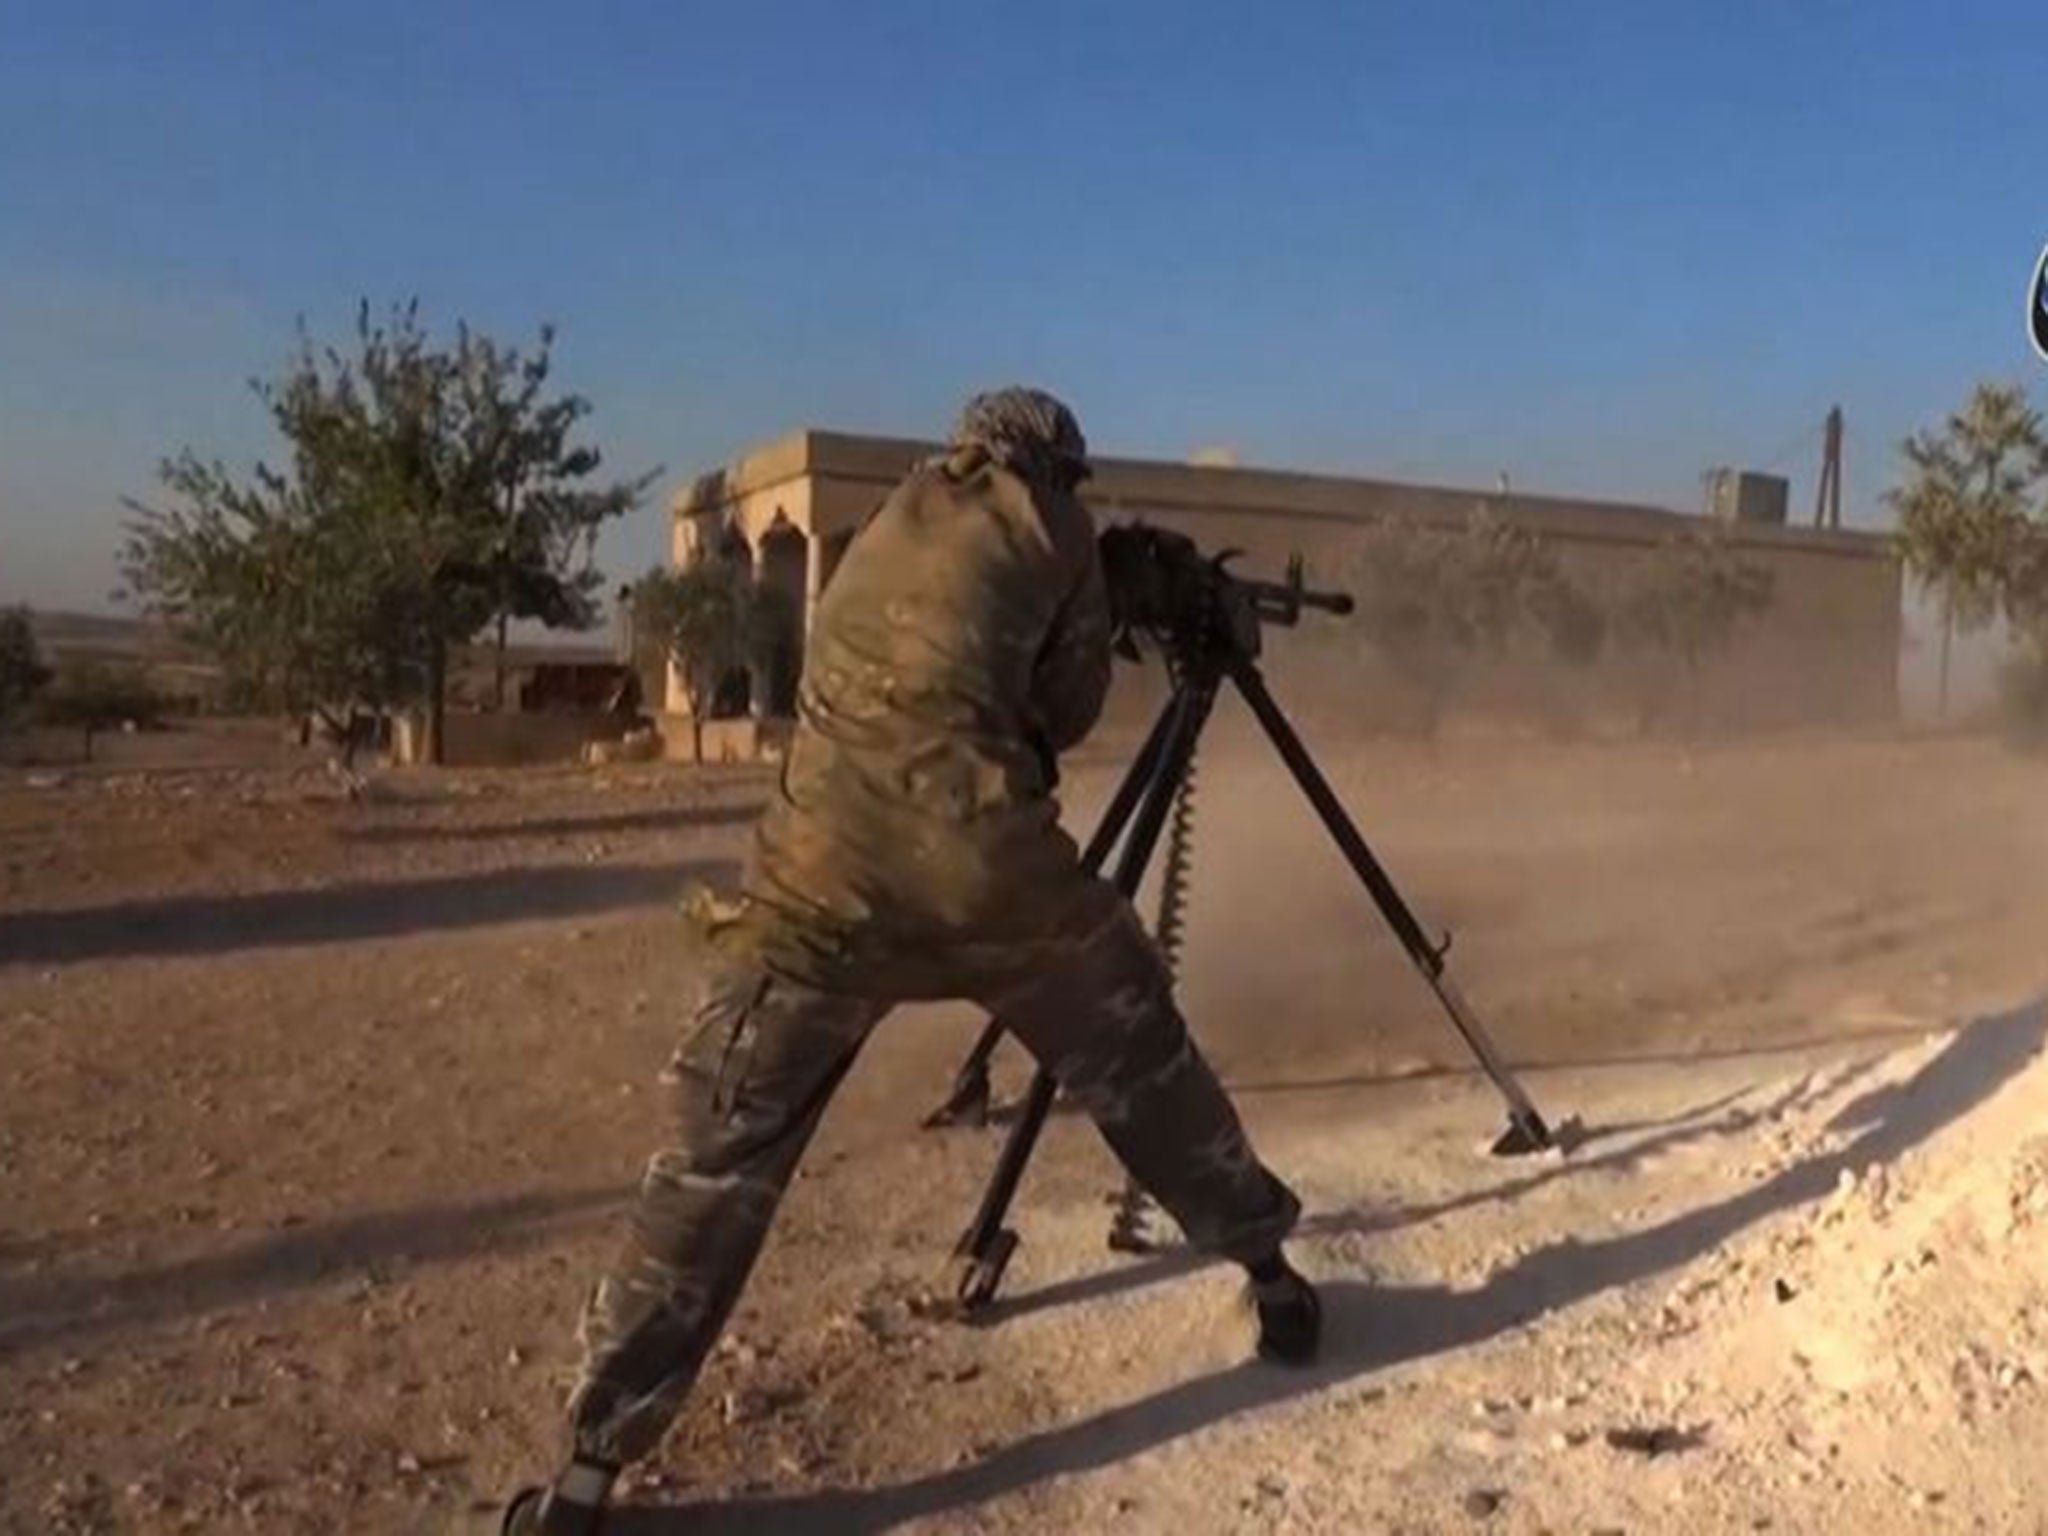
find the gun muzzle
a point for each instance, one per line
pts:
(1328, 602)
(1277, 602)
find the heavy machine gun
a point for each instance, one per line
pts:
(1207, 624)
(1193, 606)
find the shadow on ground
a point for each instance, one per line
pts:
(673, 819)
(67, 1306)
(1702, 1122)
(1890, 1037)
(1003, 1114)
(338, 914)
(1371, 1328)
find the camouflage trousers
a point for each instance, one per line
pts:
(751, 1079)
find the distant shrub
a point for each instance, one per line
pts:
(2023, 697)
(1440, 605)
(22, 673)
(1685, 605)
(93, 696)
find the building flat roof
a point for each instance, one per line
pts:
(1166, 485)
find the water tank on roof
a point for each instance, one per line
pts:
(1744, 496)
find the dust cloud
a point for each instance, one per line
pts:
(1606, 900)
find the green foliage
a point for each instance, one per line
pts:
(22, 673)
(1971, 527)
(94, 696)
(1693, 596)
(2023, 675)
(2023, 695)
(428, 490)
(1685, 604)
(696, 614)
(1434, 601)
(2023, 586)
(281, 590)
(715, 621)
(1571, 620)
(1964, 504)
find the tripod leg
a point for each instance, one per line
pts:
(969, 1096)
(1160, 746)
(1526, 1130)
(967, 1103)
(985, 1248)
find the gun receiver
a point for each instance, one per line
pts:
(1192, 604)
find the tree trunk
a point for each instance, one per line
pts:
(1432, 710)
(698, 700)
(437, 699)
(88, 743)
(499, 687)
(1648, 688)
(1948, 630)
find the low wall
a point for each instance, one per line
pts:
(685, 739)
(510, 739)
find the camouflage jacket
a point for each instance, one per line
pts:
(913, 845)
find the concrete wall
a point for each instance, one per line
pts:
(1827, 649)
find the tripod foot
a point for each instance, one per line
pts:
(976, 1276)
(1128, 1228)
(967, 1104)
(1526, 1134)
(1560, 1140)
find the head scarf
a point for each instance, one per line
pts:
(1027, 431)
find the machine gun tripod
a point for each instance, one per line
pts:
(1207, 623)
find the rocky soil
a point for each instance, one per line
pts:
(316, 1115)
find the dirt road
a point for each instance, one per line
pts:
(316, 1117)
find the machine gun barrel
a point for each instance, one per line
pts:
(1283, 603)
(1161, 582)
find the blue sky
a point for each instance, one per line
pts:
(1601, 247)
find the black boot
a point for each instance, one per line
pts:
(1290, 1312)
(572, 1506)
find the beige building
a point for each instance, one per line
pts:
(1826, 649)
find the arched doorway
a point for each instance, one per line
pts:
(783, 575)
(737, 691)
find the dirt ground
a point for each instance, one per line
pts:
(317, 1118)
